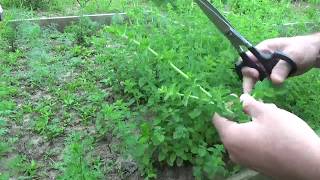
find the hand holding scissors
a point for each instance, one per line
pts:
(262, 62)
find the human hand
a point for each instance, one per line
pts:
(303, 50)
(276, 143)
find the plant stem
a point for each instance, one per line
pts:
(171, 64)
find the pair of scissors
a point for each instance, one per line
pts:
(266, 61)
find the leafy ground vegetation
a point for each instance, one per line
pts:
(107, 102)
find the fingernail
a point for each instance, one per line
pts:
(216, 116)
(244, 96)
(277, 79)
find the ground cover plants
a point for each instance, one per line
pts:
(101, 102)
(19, 9)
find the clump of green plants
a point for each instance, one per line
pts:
(33, 4)
(37, 4)
(154, 84)
(176, 75)
(78, 163)
(4, 146)
(8, 36)
(82, 30)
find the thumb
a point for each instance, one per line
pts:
(280, 72)
(251, 106)
(222, 125)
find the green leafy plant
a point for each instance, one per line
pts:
(37, 4)
(76, 162)
(151, 86)
(177, 76)
(85, 28)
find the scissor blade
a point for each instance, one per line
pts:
(214, 15)
(223, 25)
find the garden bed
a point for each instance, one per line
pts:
(123, 101)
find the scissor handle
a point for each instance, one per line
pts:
(267, 60)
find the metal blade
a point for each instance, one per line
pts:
(223, 25)
(214, 15)
(1, 12)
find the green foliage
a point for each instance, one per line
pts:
(154, 84)
(177, 75)
(78, 163)
(32, 4)
(37, 4)
(4, 146)
(265, 89)
(19, 164)
(100, 6)
(83, 29)
(8, 35)
(293, 96)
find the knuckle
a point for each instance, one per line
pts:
(284, 64)
(246, 109)
(271, 106)
(265, 44)
(246, 106)
(250, 72)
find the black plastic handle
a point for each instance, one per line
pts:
(267, 61)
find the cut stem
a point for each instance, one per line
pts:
(179, 71)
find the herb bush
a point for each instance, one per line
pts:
(36, 4)
(175, 70)
(63, 7)
(168, 70)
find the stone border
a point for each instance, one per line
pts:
(64, 21)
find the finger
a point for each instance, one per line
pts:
(250, 77)
(271, 45)
(251, 56)
(248, 84)
(271, 105)
(223, 125)
(280, 72)
(251, 106)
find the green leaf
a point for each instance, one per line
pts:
(161, 156)
(171, 159)
(195, 113)
(3, 122)
(158, 139)
(265, 89)
(202, 152)
(180, 132)
(158, 135)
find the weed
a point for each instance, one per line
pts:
(76, 164)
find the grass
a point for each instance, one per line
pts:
(102, 102)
